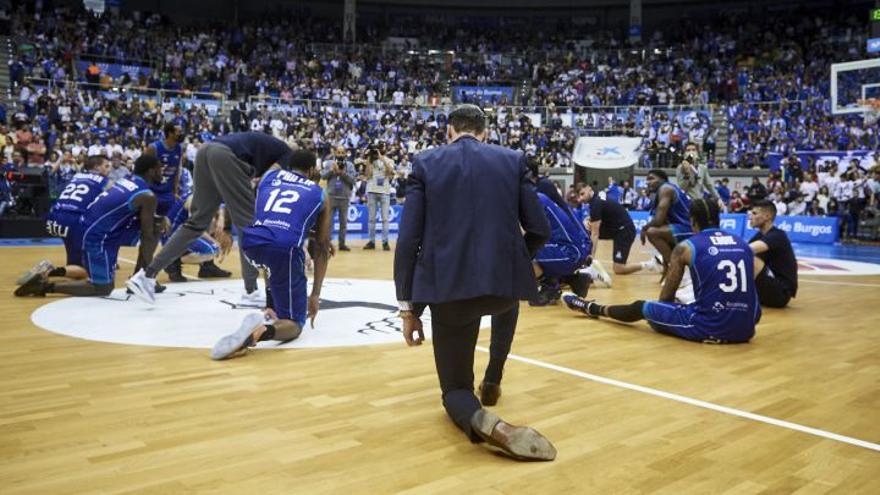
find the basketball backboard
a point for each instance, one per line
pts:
(852, 83)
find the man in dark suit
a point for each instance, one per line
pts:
(462, 252)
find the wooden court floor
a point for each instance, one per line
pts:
(88, 417)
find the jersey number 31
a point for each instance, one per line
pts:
(731, 284)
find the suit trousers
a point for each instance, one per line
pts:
(455, 326)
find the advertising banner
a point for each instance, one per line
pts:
(606, 152)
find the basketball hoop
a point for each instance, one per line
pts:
(872, 111)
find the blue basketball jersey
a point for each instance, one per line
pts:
(287, 207)
(186, 183)
(564, 227)
(79, 193)
(679, 210)
(111, 212)
(722, 270)
(170, 159)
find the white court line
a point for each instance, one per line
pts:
(696, 402)
(831, 282)
(130, 262)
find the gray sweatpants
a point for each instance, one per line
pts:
(218, 177)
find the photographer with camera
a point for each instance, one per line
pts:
(340, 176)
(379, 172)
(693, 177)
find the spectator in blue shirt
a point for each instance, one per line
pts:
(723, 190)
(614, 192)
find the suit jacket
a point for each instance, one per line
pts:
(460, 234)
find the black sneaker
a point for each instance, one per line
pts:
(343, 247)
(546, 297)
(579, 283)
(575, 303)
(35, 285)
(385, 246)
(175, 271)
(370, 245)
(209, 269)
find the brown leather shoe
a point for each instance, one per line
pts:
(518, 442)
(489, 393)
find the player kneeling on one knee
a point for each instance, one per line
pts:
(721, 264)
(562, 256)
(288, 206)
(115, 218)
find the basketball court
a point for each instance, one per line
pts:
(111, 396)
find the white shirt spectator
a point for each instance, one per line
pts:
(114, 148)
(781, 207)
(809, 189)
(96, 149)
(398, 97)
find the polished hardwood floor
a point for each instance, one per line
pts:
(88, 417)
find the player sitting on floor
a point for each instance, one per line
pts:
(726, 309)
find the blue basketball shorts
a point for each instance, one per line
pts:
(682, 320)
(285, 266)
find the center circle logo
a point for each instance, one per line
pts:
(196, 314)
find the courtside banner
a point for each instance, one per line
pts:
(606, 152)
(842, 158)
(358, 219)
(818, 230)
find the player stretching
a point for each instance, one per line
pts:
(288, 206)
(115, 218)
(726, 309)
(669, 222)
(64, 219)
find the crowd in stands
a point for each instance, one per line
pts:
(770, 74)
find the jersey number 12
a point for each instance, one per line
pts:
(279, 198)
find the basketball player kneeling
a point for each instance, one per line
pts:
(288, 206)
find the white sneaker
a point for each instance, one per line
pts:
(42, 267)
(685, 294)
(256, 299)
(599, 275)
(686, 279)
(234, 342)
(654, 265)
(142, 287)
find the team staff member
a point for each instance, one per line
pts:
(461, 251)
(776, 265)
(609, 220)
(223, 172)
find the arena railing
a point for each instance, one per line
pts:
(186, 97)
(591, 119)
